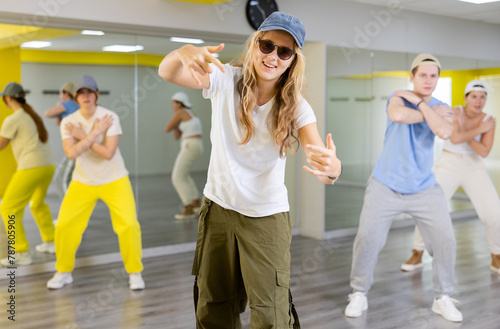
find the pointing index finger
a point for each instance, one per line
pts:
(213, 59)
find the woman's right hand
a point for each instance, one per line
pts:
(196, 60)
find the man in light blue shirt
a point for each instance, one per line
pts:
(403, 182)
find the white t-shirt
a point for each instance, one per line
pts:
(248, 178)
(90, 168)
(28, 150)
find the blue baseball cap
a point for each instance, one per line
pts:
(285, 22)
(86, 81)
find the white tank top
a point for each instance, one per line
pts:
(191, 127)
(462, 148)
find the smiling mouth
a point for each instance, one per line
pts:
(269, 65)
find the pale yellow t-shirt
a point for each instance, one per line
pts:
(90, 168)
(28, 150)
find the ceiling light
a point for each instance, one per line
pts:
(186, 40)
(36, 44)
(92, 32)
(479, 1)
(122, 48)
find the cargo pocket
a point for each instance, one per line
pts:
(205, 206)
(285, 310)
(202, 231)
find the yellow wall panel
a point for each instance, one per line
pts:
(89, 58)
(10, 66)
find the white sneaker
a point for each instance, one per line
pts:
(46, 247)
(59, 280)
(136, 282)
(19, 258)
(357, 304)
(445, 306)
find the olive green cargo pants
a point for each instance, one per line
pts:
(239, 259)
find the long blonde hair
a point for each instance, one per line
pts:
(281, 123)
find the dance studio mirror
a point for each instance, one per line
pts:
(129, 85)
(357, 90)
(359, 83)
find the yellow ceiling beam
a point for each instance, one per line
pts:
(88, 58)
(15, 35)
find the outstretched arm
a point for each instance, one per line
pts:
(189, 66)
(323, 160)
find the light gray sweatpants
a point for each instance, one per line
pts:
(430, 211)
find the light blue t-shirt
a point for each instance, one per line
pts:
(405, 164)
(70, 106)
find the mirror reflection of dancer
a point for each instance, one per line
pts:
(90, 137)
(65, 107)
(258, 115)
(35, 168)
(460, 165)
(187, 126)
(403, 182)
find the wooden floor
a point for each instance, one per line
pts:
(159, 202)
(100, 298)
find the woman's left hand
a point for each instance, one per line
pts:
(77, 132)
(323, 160)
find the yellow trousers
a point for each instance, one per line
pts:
(28, 186)
(74, 215)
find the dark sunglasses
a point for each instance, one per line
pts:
(267, 47)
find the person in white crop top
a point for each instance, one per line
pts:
(90, 137)
(186, 126)
(25, 131)
(460, 165)
(258, 115)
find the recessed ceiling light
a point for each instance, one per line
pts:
(36, 44)
(92, 32)
(479, 1)
(186, 40)
(122, 48)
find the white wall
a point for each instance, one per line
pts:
(156, 149)
(335, 23)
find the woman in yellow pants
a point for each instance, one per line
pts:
(36, 165)
(90, 136)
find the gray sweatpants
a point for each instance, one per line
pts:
(430, 211)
